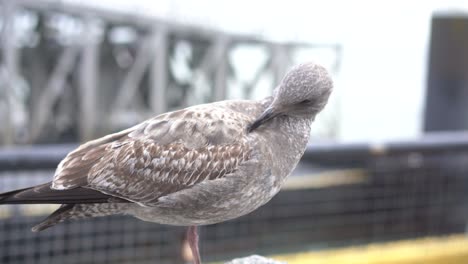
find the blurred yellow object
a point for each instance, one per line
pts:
(5, 212)
(441, 250)
(38, 210)
(329, 178)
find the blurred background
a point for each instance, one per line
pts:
(385, 176)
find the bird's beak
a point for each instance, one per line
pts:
(268, 114)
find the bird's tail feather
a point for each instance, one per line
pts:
(81, 211)
(56, 217)
(76, 203)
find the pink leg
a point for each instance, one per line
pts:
(192, 238)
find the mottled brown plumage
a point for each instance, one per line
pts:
(200, 165)
(160, 156)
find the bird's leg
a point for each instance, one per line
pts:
(192, 238)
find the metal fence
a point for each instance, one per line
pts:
(70, 72)
(340, 195)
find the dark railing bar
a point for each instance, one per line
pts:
(48, 156)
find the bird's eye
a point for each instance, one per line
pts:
(305, 102)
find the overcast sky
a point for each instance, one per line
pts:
(382, 79)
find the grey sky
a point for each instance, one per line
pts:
(381, 83)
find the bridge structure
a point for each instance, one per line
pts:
(71, 72)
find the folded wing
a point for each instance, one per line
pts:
(163, 155)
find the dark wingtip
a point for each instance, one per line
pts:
(10, 197)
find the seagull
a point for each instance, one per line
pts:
(197, 166)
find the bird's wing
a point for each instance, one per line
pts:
(160, 156)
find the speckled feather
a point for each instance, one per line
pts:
(199, 165)
(162, 155)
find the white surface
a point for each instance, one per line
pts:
(254, 259)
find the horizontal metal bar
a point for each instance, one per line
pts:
(335, 154)
(34, 157)
(349, 154)
(147, 21)
(121, 17)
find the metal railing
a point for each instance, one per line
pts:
(69, 72)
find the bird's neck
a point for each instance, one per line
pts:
(288, 140)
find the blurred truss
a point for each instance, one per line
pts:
(70, 72)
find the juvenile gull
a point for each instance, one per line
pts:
(197, 166)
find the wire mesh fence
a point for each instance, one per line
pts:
(410, 193)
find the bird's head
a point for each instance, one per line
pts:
(303, 92)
